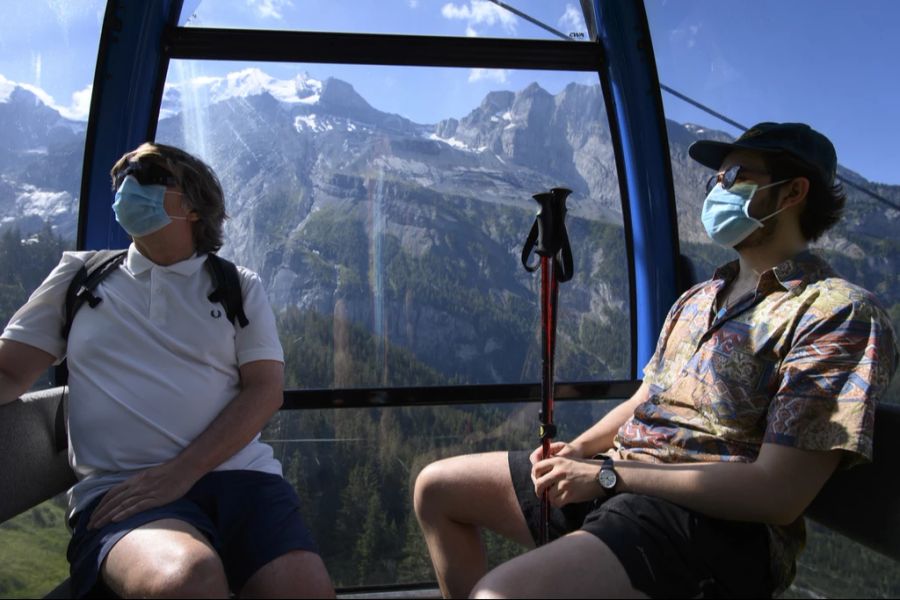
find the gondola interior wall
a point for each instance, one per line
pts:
(379, 167)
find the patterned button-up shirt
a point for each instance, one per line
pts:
(800, 361)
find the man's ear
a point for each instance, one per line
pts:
(794, 192)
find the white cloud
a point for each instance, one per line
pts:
(270, 9)
(480, 12)
(81, 105)
(6, 88)
(498, 75)
(572, 20)
(78, 110)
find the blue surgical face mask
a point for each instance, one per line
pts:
(725, 213)
(140, 209)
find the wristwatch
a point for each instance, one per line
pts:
(607, 477)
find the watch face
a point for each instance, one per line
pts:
(608, 479)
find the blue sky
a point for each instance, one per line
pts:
(831, 64)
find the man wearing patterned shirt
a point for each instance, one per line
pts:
(764, 382)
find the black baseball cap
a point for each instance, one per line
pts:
(796, 139)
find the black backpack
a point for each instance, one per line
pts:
(226, 290)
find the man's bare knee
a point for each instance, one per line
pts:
(174, 577)
(474, 489)
(194, 576)
(447, 488)
(165, 559)
(428, 496)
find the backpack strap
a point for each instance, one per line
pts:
(81, 289)
(226, 288)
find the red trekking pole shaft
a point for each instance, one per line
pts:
(550, 241)
(549, 297)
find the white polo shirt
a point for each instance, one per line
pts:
(150, 367)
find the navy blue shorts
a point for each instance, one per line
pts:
(250, 518)
(667, 550)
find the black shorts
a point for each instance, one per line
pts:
(667, 550)
(250, 518)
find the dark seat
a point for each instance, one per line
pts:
(863, 503)
(34, 464)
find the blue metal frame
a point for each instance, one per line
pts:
(637, 123)
(131, 70)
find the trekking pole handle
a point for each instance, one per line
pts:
(551, 221)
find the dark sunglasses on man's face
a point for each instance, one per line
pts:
(728, 177)
(146, 174)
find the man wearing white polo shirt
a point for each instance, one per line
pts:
(176, 495)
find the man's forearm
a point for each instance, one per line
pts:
(734, 491)
(10, 388)
(260, 397)
(763, 491)
(233, 428)
(20, 366)
(599, 438)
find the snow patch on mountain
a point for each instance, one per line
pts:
(43, 203)
(204, 90)
(451, 141)
(457, 143)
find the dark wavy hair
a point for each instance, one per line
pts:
(202, 190)
(824, 202)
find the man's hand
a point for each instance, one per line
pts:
(148, 489)
(567, 480)
(556, 449)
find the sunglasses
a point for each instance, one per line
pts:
(728, 177)
(146, 174)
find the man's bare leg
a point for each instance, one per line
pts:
(297, 574)
(168, 558)
(453, 499)
(578, 565)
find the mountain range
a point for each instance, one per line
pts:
(412, 231)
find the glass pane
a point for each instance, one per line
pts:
(354, 470)
(385, 210)
(48, 50)
(766, 60)
(47, 55)
(536, 19)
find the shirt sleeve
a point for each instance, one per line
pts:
(39, 321)
(831, 380)
(259, 339)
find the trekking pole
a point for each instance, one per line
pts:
(549, 232)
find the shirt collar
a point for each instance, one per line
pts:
(801, 270)
(138, 263)
(792, 275)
